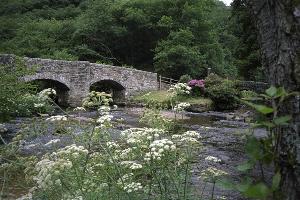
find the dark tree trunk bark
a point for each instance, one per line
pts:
(278, 24)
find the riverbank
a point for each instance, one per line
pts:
(162, 98)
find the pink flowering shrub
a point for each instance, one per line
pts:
(198, 86)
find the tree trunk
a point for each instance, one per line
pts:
(278, 24)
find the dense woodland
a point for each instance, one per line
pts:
(171, 37)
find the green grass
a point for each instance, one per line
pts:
(163, 98)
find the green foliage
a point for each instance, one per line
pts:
(163, 99)
(170, 37)
(248, 94)
(263, 151)
(96, 99)
(246, 51)
(213, 79)
(224, 95)
(13, 89)
(153, 119)
(185, 78)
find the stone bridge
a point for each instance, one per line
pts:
(74, 79)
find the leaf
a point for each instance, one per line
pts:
(244, 185)
(272, 91)
(282, 120)
(258, 191)
(260, 108)
(226, 184)
(245, 166)
(263, 109)
(253, 148)
(264, 124)
(276, 181)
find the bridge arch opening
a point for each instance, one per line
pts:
(111, 87)
(62, 91)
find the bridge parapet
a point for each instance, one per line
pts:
(79, 76)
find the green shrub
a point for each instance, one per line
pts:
(248, 94)
(185, 78)
(212, 80)
(29, 104)
(12, 88)
(224, 95)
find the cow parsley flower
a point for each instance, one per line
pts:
(213, 159)
(159, 148)
(57, 118)
(181, 106)
(131, 164)
(133, 187)
(2, 128)
(79, 109)
(180, 89)
(212, 174)
(189, 137)
(141, 135)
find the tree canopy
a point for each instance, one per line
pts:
(171, 37)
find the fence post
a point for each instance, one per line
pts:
(208, 71)
(159, 82)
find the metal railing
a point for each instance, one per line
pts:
(165, 81)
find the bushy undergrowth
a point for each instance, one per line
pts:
(17, 98)
(222, 92)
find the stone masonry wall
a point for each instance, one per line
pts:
(78, 76)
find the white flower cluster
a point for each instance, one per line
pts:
(159, 148)
(38, 105)
(27, 196)
(125, 153)
(49, 171)
(180, 89)
(181, 106)
(57, 118)
(71, 151)
(79, 109)
(213, 159)
(190, 137)
(2, 128)
(132, 165)
(112, 145)
(46, 93)
(104, 110)
(141, 135)
(133, 187)
(105, 121)
(212, 174)
(51, 167)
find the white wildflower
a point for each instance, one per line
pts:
(79, 109)
(2, 128)
(131, 164)
(133, 187)
(57, 118)
(212, 174)
(181, 106)
(213, 159)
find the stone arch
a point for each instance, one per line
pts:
(110, 86)
(62, 89)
